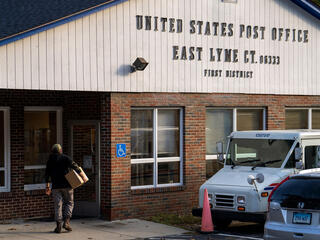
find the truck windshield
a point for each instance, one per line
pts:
(258, 152)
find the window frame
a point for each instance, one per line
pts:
(309, 113)
(58, 110)
(155, 160)
(234, 121)
(7, 156)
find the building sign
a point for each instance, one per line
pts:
(224, 30)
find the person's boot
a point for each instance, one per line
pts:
(66, 225)
(58, 228)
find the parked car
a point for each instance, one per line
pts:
(294, 208)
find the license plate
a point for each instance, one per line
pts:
(301, 218)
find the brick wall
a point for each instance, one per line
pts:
(127, 203)
(105, 157)
(76, 106)
(118, 201)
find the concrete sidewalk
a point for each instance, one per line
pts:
(87, 229)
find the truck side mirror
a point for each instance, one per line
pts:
(259, 178)
(219, 148)
(251, 179)
(298, 153)
(299, 165)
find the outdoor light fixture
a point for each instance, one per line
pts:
(139, 64)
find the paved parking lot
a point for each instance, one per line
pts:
(236, 231)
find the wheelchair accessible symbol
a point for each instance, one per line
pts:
(121, 150)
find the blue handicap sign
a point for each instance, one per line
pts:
(121, 150)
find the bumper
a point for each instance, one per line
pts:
(282, 231)
(230, 215)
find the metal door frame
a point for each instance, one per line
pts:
(95, 123)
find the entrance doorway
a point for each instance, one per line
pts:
(84, 150)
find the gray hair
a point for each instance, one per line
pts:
(56, 148)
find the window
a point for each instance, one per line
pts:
(302, 118)
(296, 118)
(312, 157)
(42, 129)
(293, 191)
(4, 150)
(259, 152)
(156, 147)
(249, 119)
(221, 122)
(315, 118)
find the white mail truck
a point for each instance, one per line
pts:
(254, 163)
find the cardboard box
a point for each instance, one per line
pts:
(74, 178)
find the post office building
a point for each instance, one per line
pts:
(138, 92)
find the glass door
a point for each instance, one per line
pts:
(85, 152)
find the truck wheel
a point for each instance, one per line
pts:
(221, 223)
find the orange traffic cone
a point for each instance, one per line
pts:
(206, 221)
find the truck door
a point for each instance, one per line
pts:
(311, 148)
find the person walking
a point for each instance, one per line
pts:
(58, 165)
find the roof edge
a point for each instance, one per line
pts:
(59, 22)
(305, 4)
(309, 7)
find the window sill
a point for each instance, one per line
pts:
(6, 195)
(157, 190)
(35, 192)
(31, 187)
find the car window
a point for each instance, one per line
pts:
(296, 190)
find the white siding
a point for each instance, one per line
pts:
(86, 54)
(43, 82)
(35, 66)
(72, 56)
(19, 64)
(11, 66)
(79, 78)
(57, 58)
(50, 59)
(94, 53)
(26, 63)
(100, 51)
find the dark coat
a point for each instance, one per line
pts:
(58, 165)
